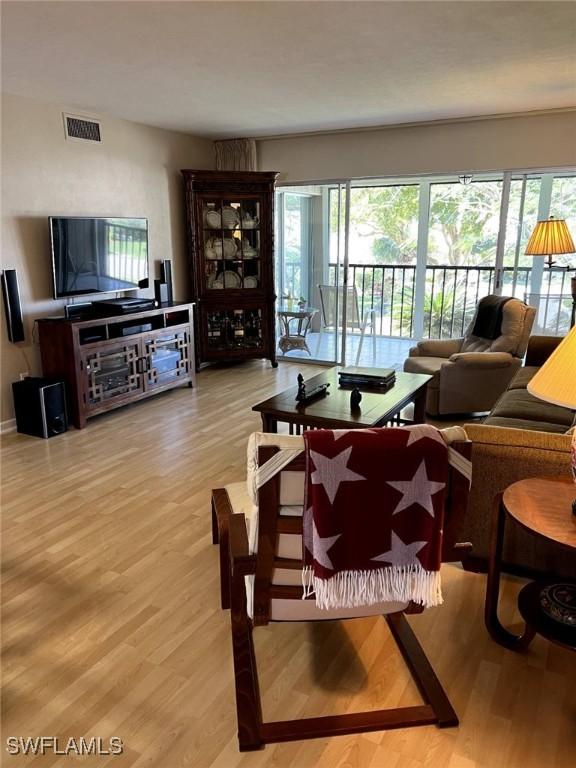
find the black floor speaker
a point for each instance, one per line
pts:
(12, 305)
(40, 406)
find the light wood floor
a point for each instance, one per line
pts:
(112, 626)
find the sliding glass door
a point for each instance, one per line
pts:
(310, 238)
(413, 257)
(462, 258)
(534, 197)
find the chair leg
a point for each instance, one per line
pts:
(359, 352)
(221, 511)
(248, 706)
(253, 733)
(373, 323)
(317, 353)
(421, 669)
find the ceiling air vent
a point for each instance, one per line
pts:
(81, 129)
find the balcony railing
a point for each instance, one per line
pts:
(451, 295)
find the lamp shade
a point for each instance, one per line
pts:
(550, 236)
(555, 382)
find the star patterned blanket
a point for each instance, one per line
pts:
(373, 515)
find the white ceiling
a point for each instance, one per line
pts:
(224, 69)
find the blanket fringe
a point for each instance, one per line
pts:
(351, 589)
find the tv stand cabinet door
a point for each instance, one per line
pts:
(112, 375)
(168, 358)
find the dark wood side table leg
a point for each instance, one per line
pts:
(420, 407)
(269, 424)
(493, 625)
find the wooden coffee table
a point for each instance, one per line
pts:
(542, 506)
(333, 411)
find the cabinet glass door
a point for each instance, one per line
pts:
(232, 247)
(233, 330)
(167, 357)
(111, 373)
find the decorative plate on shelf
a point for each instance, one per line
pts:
(229, 247)
(559, 602)
(213, 219)
(230, 217)
(231, 279)
(250, 282)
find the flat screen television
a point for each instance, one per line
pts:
(98, 255)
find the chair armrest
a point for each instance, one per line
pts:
(242, 563)
(540, 348)
(436, 348)
(482, 360)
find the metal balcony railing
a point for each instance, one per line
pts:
(451, 296)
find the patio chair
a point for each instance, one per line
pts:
(331, 308)
(258, 525)
(470, 374)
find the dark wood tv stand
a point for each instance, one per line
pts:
(107, 362)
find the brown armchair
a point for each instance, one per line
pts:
(470, 374)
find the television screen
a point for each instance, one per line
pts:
(98, 255)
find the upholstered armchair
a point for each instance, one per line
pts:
(470, 374)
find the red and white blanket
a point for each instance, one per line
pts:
(373, 515)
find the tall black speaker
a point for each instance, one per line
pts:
(12, 306)
(166, 277)
(40, 406)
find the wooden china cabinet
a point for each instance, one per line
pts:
(230, 224)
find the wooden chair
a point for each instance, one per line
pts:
(261, 567)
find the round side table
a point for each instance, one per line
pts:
(543, 507)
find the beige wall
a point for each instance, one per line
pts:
(134, 172)
(521, 142)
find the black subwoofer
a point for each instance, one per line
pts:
(40, 406)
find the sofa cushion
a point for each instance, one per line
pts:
(522, 378)
(520, 404)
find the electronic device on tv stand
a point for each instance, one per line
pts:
(123, 306)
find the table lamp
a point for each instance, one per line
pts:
(550, 237)
(555, 382)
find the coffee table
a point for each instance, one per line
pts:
(333, 411)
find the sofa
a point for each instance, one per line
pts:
(522, 437)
